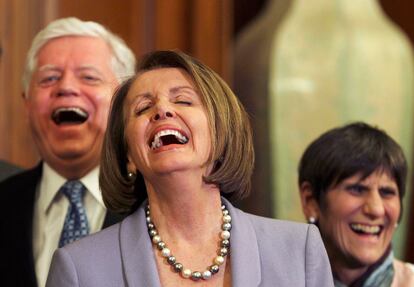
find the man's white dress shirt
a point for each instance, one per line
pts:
(50, 213)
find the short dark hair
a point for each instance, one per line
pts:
(232, 141)
(345, 151)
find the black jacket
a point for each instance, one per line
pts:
(17, 195)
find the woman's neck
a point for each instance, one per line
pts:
(184, 207)
(348, 275)
(357, 275)
(188, 217)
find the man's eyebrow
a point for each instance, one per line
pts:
(88, 68)
(48, 68)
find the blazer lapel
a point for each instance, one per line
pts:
(139, 264)
(244, 250)
(137, 256)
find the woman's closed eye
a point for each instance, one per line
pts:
(142, 109)
(184, 102)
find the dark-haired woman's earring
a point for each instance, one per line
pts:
(312, 220)
(131, 176)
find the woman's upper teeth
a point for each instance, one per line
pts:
(157, 142)
(366, 228)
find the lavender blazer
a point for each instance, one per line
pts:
(264, 252)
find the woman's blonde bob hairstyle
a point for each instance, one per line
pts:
(231, 136)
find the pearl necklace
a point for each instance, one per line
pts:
(178, 267)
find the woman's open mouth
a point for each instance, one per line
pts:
(167, 137)
(366, 229)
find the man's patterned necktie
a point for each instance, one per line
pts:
(76, 223)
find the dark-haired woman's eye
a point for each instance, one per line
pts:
(388, 192)
(356, 188)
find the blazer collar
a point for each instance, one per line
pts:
(139, 264)
(138, 258)
(244, 249)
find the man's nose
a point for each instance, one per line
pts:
(67, 85)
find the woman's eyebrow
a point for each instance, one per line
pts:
(356, 184)
(145, 95)
(180, 88)
(139, 97)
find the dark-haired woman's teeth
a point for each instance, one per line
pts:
(365, 228)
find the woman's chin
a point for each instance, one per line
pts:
(364, 258)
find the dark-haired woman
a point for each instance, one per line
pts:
(352, 181)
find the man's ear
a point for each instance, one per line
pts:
(26, 104)
(310, 205)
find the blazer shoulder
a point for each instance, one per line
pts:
(285, 245)
(269, 226)
(288, 237)
(95, 244)
(91, 261)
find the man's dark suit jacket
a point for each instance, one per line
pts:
(7, 169)
(17, 195)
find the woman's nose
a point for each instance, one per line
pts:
(374, 205)
(162, 112)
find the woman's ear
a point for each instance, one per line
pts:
(130, 165)
(310, 205)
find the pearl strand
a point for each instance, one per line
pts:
(178, 267)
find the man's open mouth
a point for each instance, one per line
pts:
(167, 137)
(69, 116)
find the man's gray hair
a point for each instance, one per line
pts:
(123, 60)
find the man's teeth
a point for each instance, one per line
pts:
(157, 142)
(76, 110)
(365, 228)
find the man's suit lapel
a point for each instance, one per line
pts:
(30, 184)
(18, 192)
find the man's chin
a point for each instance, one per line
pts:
(73, 153)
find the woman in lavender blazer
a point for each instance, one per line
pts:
(178, 136)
